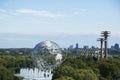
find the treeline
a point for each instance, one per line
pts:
(88, 69)
(10, 65)
(16, 51)
(114, 52)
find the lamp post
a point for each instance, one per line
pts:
(105, 34)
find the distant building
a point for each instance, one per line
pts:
(77, 46)
(64, 49)
(93, 47)
(112, 47)
(70, 47)
(116, 46)
(85, 47)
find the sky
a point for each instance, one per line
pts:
(24, 23)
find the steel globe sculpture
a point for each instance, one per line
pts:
(46, 55)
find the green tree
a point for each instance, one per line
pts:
(63, 71)
(5, 74)
(109, 68)
(65, 78)
(85, 74)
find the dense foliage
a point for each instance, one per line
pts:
(10, 65)
(5, 74)
(88, 69)
(73, 68)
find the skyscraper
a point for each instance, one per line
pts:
(116, 46)
(77, 46)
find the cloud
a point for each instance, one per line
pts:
(38, 13)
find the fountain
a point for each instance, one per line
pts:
(35, 74)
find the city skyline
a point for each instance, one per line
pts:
(25, 23)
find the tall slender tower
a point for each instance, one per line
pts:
(101, 46)
(105, 34)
